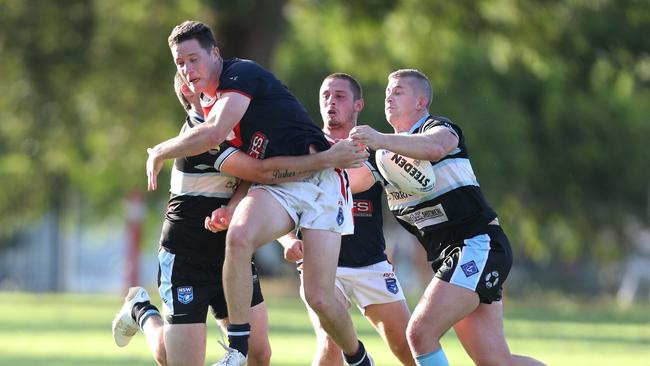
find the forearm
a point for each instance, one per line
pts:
(288, 239)
(281, 169)
(414, 146)
(195, 141)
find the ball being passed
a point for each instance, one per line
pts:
(409, 175)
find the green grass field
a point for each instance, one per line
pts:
(74, 330)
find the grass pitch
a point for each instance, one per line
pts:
(74, 330)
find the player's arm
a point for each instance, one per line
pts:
(280, 169)
(433, 145)
(292, 247)
(220, 218)
(361, 179)
(223, 117)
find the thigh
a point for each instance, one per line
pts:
(259, 219)
(321, 254)
(390, 320)
(440, 307)
(481, 333)
(218, 304)
(185, 344)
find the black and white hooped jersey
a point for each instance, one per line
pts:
(367, 245)
(275, 123)
(455, 209)
(197, 188)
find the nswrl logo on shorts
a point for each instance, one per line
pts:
(340, 218)
(185, 294)
(391, 285)
(469, 268)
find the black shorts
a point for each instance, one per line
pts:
(480, 264)
(189, 285)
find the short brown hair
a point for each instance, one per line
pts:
(357, 92)
(191, 29)
(422, 81)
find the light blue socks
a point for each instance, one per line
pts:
(436, 358)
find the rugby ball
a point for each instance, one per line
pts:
(409, 175)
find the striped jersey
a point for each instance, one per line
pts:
(455, 209)
(197, 188)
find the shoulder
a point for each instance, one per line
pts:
(440, 121)
(236, 68)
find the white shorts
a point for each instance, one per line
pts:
(374, 284)
(322, 201)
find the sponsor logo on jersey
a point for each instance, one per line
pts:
(469, 268)
(411, 169)
(257, 147)
(426, 216)
(391, 285)
(491, 279)
(389, 275)
(185, 294)
(362, 208)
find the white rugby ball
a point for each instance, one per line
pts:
(409, 175)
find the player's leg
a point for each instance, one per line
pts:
(137, 312)
(259, 347)
(259, 353)
(321, 251)
(440, 307)
(328, 353)
(153, 332)
(390, 320)
(482, 336)
(185, 344)
(258, 219)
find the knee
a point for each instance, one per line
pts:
(317, 302)
(417, 336)
(237, 243)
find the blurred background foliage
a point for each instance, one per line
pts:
(553, 96)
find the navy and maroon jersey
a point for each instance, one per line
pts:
(367, 245)
(456, 208)
(197, 188)
(275, 123)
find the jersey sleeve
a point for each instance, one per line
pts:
(371, 164)
(443, 122)
(244, 77)
(226, 150)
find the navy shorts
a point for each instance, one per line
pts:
(481, 263)
(189, 285)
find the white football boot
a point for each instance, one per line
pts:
(124, 326)
(231, 358)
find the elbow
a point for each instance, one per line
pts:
(215, 138)
(436, 154)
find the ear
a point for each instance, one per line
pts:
(215, 52)
(358, 105)
(422, 103)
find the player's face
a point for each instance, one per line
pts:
(337, 106)
(401, 102)
(197, 65)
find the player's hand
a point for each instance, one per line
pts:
(219, 220)
(368, 136)
(294, 252)
(345, 154)
(154, 165)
